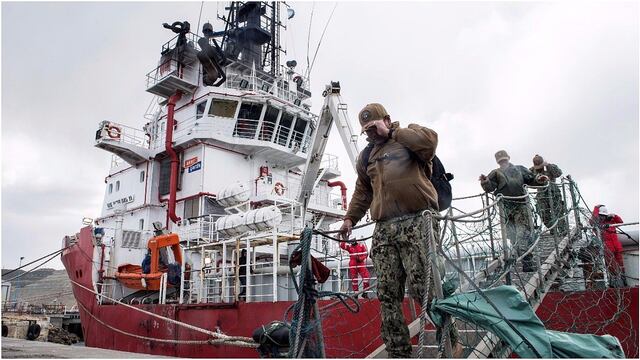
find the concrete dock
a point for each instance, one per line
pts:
(25, 349)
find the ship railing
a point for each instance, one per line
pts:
(123, 134)
(175, 68)
(284, 135)
(330, 162)
(183, 130)
(192, 41)
(280, 88)
(341, 279)
(198, 230)
(107, 289)
(481, 249)
(243, 128)
(322, 196)
(221, 281)
(252, 287)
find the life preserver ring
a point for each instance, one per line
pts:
(114, 132)
(279, 188)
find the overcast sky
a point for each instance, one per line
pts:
(556, 79)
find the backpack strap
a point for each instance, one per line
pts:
(364, 158)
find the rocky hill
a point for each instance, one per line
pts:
(41, 286)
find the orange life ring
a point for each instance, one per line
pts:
(114, 132)
(279, 188)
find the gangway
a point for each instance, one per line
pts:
(553, 255)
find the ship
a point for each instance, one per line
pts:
(205, 204)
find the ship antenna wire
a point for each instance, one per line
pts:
(313, 6)
(199, 16)
(321, 37)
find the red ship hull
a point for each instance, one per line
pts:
(345, 334)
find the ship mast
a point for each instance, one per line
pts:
(252, 35)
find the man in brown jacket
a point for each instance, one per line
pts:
(394, 184)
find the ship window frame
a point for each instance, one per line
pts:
(226, 113)
(191, 208)
(110, 188)
(252, 111)
(201, 108)
(117, 185)
(265, 133)
(141, 224)
(142, 176)
(285, 128)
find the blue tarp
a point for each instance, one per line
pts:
(525, 324)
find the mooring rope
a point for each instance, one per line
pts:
(217, 335)
(169, 341)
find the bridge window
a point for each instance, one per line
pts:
(200, 109)
(223, 108)
(110, 188)
(117, 185)
(284, 129)
(248, 118)
(269, 123)
(141, 224)
(142, 176)
(298, 133)
(250, 111)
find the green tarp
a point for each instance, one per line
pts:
(473, 308)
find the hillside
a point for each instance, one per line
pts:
(42, 286)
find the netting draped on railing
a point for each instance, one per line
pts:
(544, 246)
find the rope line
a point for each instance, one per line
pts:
(169, 320)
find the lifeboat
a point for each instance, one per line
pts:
(131, 275)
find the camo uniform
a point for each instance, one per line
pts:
(400, 252)
(509, 181)
(551, 194)
(394, 185)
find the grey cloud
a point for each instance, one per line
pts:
(560, 79)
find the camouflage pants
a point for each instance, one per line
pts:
(519, 229)
(400, 254)
(549, 213)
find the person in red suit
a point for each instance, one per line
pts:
(613, 256)
(357, 264)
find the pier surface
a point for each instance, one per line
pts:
(18, 348)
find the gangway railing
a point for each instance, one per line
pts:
(552, 246)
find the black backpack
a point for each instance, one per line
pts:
(440, 178)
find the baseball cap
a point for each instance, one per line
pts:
(538, 162)
(370, 112)
(502, 155)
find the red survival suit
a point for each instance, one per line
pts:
(357, 263)
(613, 257)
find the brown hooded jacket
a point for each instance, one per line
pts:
(396, 181)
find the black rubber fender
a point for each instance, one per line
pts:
(5, 330)
(33, 331)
